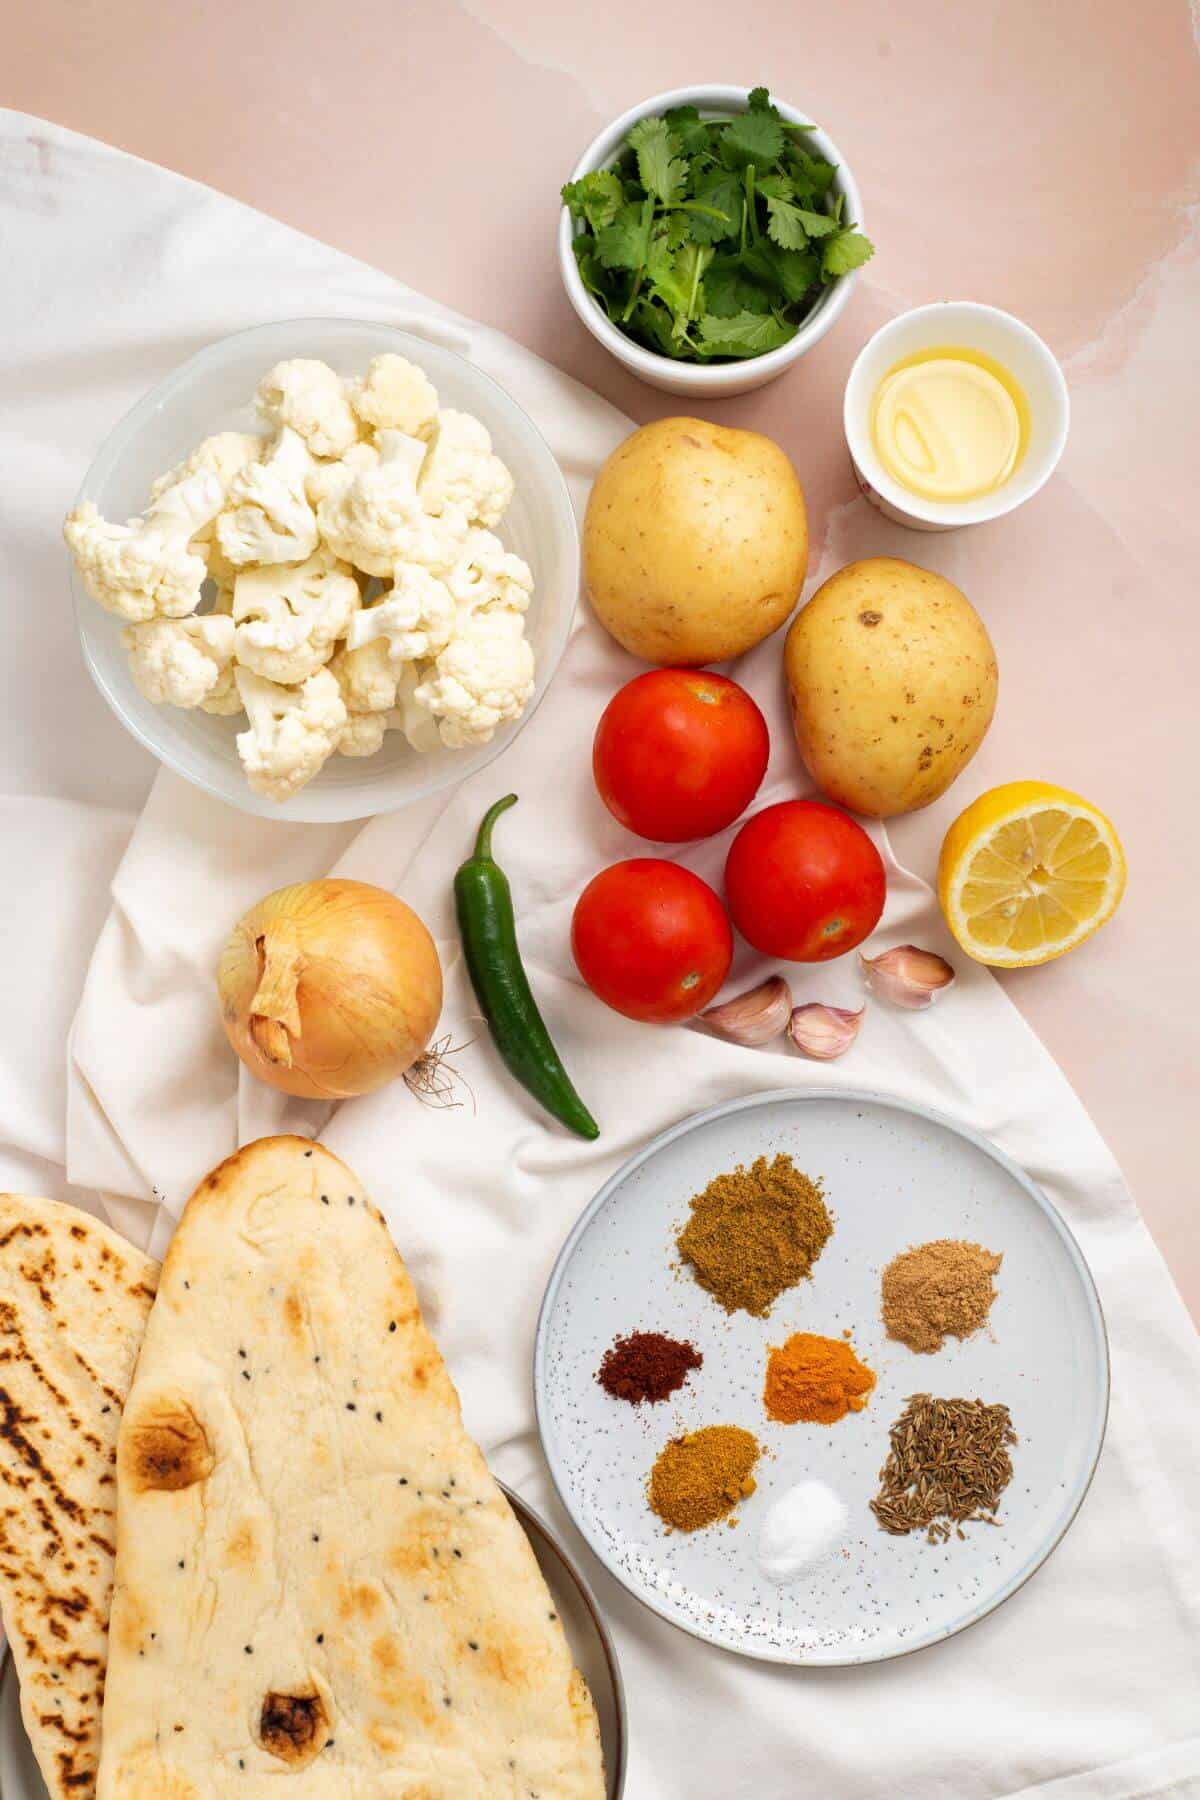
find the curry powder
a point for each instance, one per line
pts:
(701, 1477)
(755, 1232)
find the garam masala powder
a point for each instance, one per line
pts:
(755, 1232)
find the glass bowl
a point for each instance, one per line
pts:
(213, 391)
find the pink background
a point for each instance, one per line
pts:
(1042, 158)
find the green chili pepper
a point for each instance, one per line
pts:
(489, 935)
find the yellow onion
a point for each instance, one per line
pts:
(329, 988)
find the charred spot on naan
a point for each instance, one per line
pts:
(164, 1446)
(294, 1727)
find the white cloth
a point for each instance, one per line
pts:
(1085, 1683)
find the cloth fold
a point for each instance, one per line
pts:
(1084, 1683)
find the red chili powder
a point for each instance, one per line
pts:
(646, 1365)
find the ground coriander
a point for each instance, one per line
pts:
(938, 1290)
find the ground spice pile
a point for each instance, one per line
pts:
(755, 1232)
(948, 1464)
(646, 1365)
(817, 1379)
(938, 1290)
(701, 1477)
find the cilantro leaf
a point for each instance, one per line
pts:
(663, 277)
(778, 186)
(753, 137)
(792, 226)
(723, 192)
(848, 250)
(811, 176)
(759, 100)
(626, 242)
(595, 197)
(795, 271)
(729, 290)
(662, 172)
(679, 229)
(745, 334)
(688, 128)
(785, 224)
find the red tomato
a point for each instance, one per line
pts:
(804, 882)
(679, 754)
(651, 940)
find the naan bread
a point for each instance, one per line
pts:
(74, 1298)
(320, 1589)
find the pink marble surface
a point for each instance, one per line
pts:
(1040, 158)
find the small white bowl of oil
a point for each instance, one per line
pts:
(954, 414)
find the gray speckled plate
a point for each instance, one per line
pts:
(894, 1176)
(586, 1632)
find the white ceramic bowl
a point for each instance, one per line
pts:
(713, 381)
(967, 325)
(214, 392)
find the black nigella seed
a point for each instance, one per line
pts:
(324, 1199)
(379, 1417)
(320, 1637)
(350, 1202)
(392, 1326)
(249, 1649)
(471, 1644)
(458, 1553)
(350, 1406)
(308, 1153)
(245, 1374)
(404, 1481)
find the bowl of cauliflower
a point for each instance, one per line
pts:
(325, 569)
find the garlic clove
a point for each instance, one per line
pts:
(824, 1032)
(907, 976)
(754, 1017)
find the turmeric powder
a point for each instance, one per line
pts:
(817, 1379)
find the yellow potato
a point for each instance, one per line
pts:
(892, 681)
(695, 542)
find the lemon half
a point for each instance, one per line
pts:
(1027, 872)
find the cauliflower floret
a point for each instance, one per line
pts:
(289, 617)
(269, 518)
(145, 569)
(363, 733)
(180, 662)
(309, 397)
(463, 470)
(395, 396)
(292, 733)
(482, 679)
(409, 715)
(373, 517)
(367, 677)
(224, 455)
(224, 699)
(328, 479)
(486, 575)
(415, 619)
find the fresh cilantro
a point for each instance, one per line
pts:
(688, 128)
(848, 250)
(712, 238)
(721, 194)
(745, 334)
(729, 289)
(625, 243)
(753, 137)
(595, 197)
(791, 227)
(662, 173)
